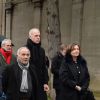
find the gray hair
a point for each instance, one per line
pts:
(5, 41)
(32, 31)
(18, 51)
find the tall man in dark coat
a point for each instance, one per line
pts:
(38, 59)
(19, 80)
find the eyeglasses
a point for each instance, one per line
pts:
(9, 45)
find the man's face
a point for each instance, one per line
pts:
(24, 56)
(35, 36)
(7, 46)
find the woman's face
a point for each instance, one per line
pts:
(75, 51)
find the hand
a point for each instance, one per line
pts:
(78, 88)
(46, 87)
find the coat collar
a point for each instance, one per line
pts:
(16, 72)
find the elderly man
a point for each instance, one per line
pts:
(6, 57)
(38, 59)
(19, 80)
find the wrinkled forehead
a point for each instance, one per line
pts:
(23, 50)
(35, 33)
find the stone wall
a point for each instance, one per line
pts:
(79, 22)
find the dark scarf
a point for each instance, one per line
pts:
(35, 51)
(7, 55)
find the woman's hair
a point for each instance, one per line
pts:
(68, 56)
(71, 47)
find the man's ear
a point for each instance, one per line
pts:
(2, 45)
(29, 36)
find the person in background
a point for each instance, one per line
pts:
(55, 66)
(38, 59)
(6, 57)
(19, 80)
(74, 74)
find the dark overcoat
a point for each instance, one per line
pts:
(3, 66)
(38, 59)
(55, 66)
(11, 82)
(3, 62)
(69, 78)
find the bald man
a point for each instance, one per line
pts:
(38, 59)
(19, 80)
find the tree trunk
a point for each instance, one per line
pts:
(54, 35)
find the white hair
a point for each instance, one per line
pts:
(32, 31)
(18, 51)
(5, 41)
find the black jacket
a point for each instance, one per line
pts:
(38, 59)
(55, 66)
(72, 74)
(11, 82)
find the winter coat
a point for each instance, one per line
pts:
(72, 74)
(11, 82)
(3, 62)
(55, 66)
(3, 66)
(38, 59)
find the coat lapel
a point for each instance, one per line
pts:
(16, 72)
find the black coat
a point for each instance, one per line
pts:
(55, 66)
(3, 65)
(38, 59)
(11, 82)
(71, 76)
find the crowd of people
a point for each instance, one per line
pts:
(25, 76)
(71, 75)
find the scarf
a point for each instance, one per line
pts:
(24, 81)
(7, 55)
(35, 50)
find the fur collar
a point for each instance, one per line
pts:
(80, 59)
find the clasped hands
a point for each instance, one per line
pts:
(78, 88)
(46, 87)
